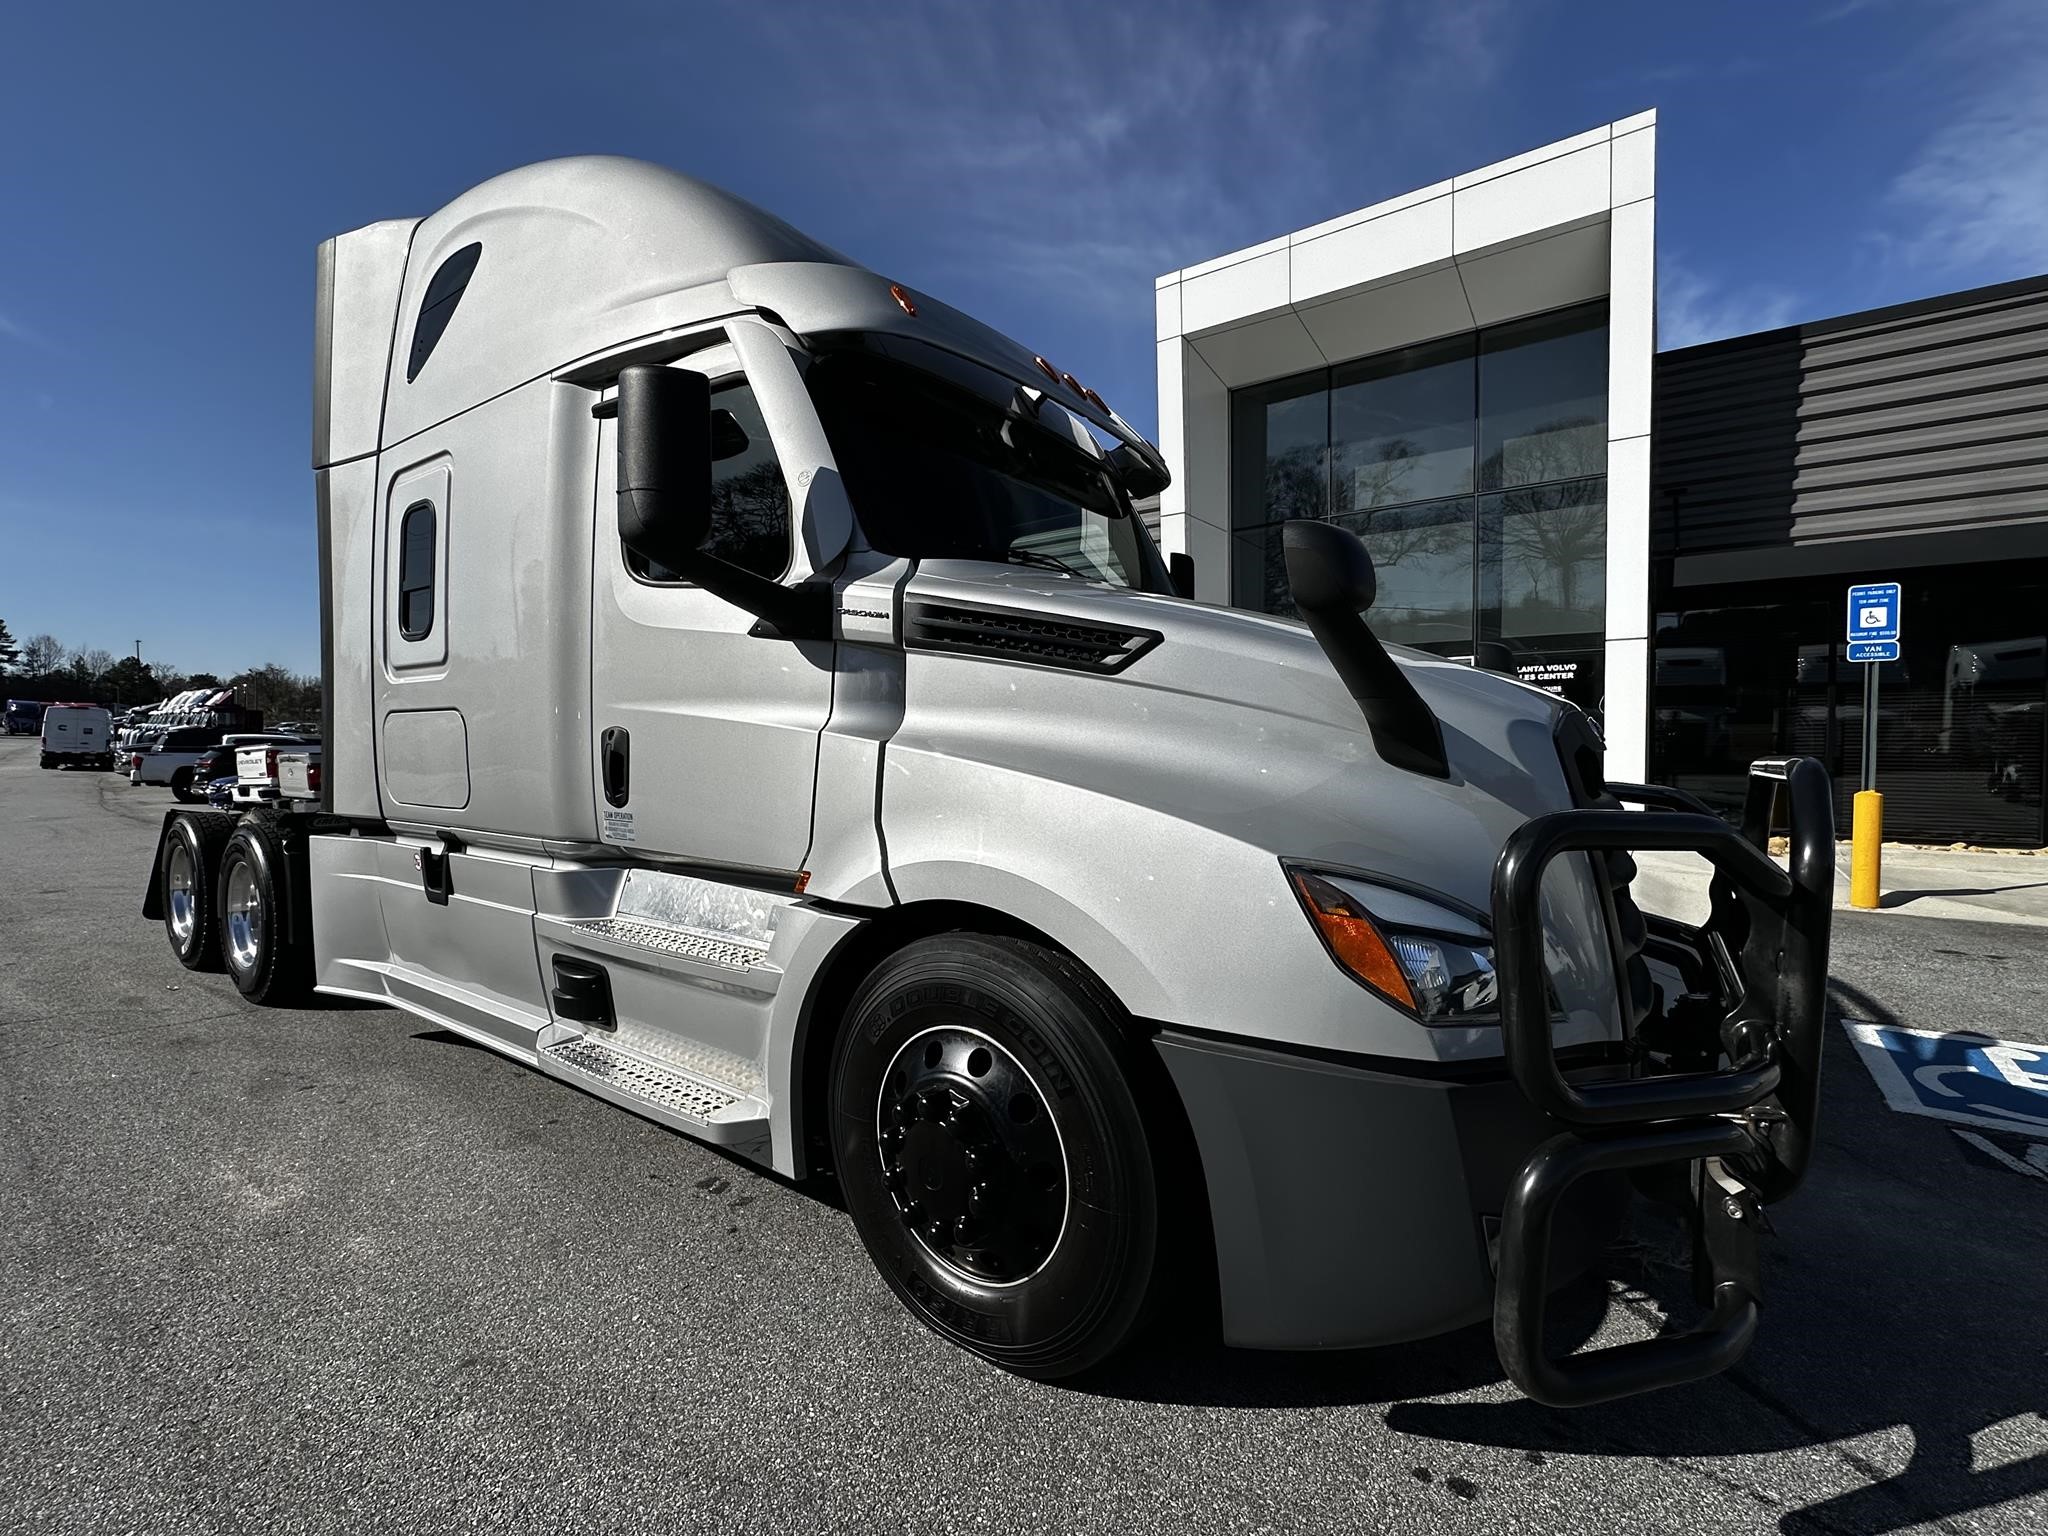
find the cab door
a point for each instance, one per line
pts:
(705, 736)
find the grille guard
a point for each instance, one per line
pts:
(1743, 1123)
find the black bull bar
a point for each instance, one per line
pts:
(1723, 1099)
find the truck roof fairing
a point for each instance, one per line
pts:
(590, 253)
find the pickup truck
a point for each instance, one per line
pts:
(175, 759)
(257, 763)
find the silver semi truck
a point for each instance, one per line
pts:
(750, 699)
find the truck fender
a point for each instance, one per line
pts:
(1073, 928)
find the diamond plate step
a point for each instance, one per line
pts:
(703, 1108)
(701, 947)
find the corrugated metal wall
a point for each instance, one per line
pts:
(1906, 444)
(1925, 417)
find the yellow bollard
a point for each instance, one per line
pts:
(1866, 837)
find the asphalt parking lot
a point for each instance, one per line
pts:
(332, 1269)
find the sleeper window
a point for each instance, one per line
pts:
(437, 306)
(416, 572)
(750, 513)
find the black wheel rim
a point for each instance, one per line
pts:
(971, 1156)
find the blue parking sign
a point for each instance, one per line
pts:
(1971, 1079)
(1874, 611)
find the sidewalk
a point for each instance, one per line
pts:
(1915, 882)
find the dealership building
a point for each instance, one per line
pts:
(1467, 377)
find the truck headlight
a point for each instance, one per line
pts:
(1435, 962)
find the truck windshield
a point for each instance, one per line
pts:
(944, 459)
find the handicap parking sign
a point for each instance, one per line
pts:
(1874, 611)
(1972, 1079)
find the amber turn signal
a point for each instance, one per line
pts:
(1353, 939)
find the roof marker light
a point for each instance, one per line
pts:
(902, 298)
(1047, 369)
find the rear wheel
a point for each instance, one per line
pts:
(188, 868)
(251, 918)
(992, 1153)
(181, 786)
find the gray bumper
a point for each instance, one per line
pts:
(1351, 1206)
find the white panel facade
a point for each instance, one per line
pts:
(1559, 225)
(1396, 244)
(1526, 203)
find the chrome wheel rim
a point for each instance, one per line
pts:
(180, 881)
(243, 909)
(972, 1156)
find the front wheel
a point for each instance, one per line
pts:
(992, 1153)
(181, 786)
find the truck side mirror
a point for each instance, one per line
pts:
(665, 454)
(669, 437)
(1180, 569)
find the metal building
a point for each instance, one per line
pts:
(1910, 444)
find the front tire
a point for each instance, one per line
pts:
(181, 786)
(992, 1152)
(251, 919)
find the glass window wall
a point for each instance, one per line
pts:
(1474, 468)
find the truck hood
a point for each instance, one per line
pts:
(1237, 721)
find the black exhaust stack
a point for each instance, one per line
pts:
(1330, 575)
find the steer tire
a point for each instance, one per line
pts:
(191, 857)
(251, 919)
(992, 1154)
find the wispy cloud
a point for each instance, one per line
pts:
(1972, 201)
(1090, 147)
(1691, 309)
(14, 330)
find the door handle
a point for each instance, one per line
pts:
(616, 748)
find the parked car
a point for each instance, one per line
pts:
(129, 755)
(213, 776)
(25, 716)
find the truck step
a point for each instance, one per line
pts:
(711, 1111)
(705, 948)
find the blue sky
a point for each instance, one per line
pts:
(166, 172)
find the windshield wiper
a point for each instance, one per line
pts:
(1040, 557)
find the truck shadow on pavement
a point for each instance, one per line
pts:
(1903, 1293)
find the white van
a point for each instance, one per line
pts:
(77, 734)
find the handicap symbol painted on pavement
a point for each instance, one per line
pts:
(1972, 1079)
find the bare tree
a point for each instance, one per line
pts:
(92, 664)
(41, 655)
(278, 693)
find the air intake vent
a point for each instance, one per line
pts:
(1010, 634)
